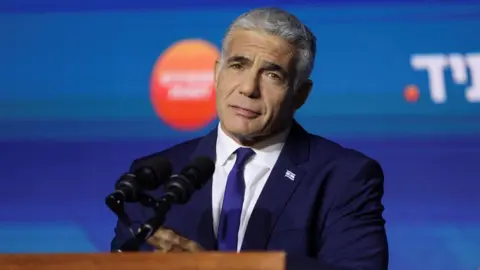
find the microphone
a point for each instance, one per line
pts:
(177, 191)
(147, 175)
(193, 177)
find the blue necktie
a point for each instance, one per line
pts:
(232, 203)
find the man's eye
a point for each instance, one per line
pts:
(236, 66)
(273, 76)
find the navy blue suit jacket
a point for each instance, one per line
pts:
(329, 217)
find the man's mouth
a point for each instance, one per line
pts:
(247, 113)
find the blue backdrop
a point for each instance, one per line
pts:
(398, 80)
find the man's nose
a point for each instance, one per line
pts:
(250, 85)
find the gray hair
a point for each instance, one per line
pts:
(277, 22)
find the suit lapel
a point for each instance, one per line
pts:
(201, 200)
(280, 186)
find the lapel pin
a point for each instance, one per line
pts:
(290, 175)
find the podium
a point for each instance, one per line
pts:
(145, 261)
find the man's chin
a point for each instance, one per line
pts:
(241, 131)
(240, 127)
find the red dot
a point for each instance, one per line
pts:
(411, 93)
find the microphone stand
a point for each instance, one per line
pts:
(161, 206)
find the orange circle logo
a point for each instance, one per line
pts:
(182, 86)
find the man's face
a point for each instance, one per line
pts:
(254, 82)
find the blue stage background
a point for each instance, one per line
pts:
(75, 110)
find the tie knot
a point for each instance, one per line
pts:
(243, 154)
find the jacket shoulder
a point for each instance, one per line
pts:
(343, 158)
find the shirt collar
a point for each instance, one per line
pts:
(266, 152)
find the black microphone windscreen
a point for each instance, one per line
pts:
(193, 177)
(152, 172)
(205, 167)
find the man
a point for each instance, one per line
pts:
(275, 186)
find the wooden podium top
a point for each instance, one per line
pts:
(145, 261)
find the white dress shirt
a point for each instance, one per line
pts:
(256, 172)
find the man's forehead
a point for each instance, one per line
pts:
(248, 44)
(255, 38)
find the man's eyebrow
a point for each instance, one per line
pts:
(238, 58)
(273, 67)
(270, 66)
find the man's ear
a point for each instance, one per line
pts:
(302, 93)
(216, 71)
